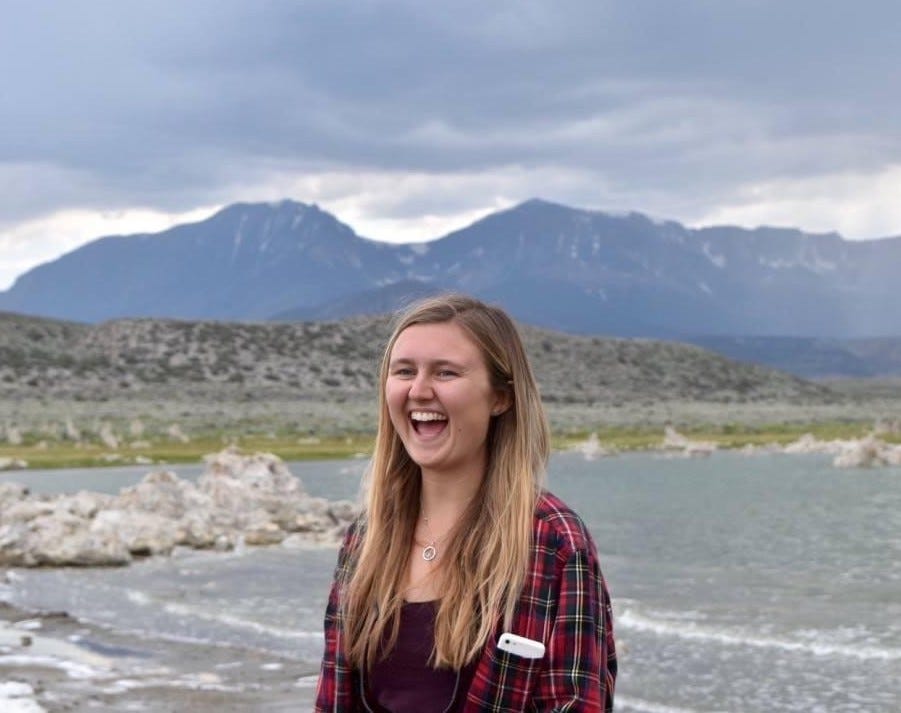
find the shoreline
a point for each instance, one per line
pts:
(51, 662)
(615, 439)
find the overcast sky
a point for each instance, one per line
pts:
(409, 119)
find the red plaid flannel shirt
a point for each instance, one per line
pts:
(564, 604)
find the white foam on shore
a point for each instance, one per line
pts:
(70, 668)
(637, 704)
(44, 650)
(29, 624)
(193, 682)
(18, 698)
(628, 619)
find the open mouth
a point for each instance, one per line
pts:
(428, 424)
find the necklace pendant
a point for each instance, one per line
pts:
(429, 553)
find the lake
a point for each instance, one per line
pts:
(763, 583)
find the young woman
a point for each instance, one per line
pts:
(459, 546)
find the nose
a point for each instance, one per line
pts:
(421, 388)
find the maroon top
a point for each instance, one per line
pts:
(404, 682)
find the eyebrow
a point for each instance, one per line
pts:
(436, 363)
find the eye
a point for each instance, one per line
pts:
(402, 372)
(447, 373)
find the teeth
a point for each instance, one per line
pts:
(427, 416)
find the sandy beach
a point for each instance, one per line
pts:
(53, 663)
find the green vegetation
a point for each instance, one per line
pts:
(69, 455)
(63, 454)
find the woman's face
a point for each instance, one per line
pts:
(440, 399)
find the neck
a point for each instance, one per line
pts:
(445, 498)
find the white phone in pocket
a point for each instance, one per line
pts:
(521, 646)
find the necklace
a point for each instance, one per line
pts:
(430, 549)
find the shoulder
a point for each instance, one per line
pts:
(556, 524)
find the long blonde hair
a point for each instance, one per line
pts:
(483, 570)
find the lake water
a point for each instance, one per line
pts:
(766, 583)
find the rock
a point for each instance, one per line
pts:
(240, 484)
(263, 472)
(196, 529)
(83, 504)
(72, 433)
(591, 448)
(267, 534)
(11, 493)
(868, 452)
(58, 539)
(164, 493)
(142, 533)
(26, 510)
(176, 434)
(241, 500)
(343, 511)
(224, 543)
(675, 441)
(107, 437)
(13, 436)
(12, 463)
(808, 443)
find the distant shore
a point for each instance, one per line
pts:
(162, 426)
(289, 447)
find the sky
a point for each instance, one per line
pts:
(408, 119)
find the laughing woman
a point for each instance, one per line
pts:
(464, 586)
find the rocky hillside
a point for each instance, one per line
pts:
(339, 360)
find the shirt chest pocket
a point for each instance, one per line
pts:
(513, 680)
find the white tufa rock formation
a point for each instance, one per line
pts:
(12, 463)
(239, 500)
(108, 437)
(868, 452)
(675, 441)
(13, 435)
(591, 448)
(176, 434)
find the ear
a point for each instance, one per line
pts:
(502, 402)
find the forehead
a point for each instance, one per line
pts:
(432, 342)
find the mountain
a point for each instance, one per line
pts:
(379, 300)
(551, 265)
(248, 261)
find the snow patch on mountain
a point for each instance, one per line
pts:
(718, 260)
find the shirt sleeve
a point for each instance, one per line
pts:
(580, 665)
(335, 689)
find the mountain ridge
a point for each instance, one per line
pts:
(578, 270)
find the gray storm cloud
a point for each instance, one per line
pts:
(175, 105)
